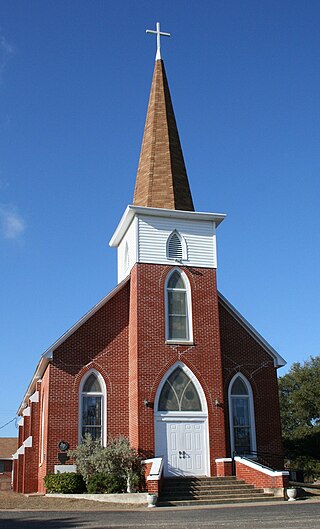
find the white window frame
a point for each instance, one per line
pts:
(253, 439)
(43, 411)
(185, 279)
(183, 246)
(103, 395)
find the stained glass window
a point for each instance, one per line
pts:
(179, 393)
(92, 408)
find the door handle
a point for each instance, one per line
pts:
(180, 454)
(184, 454)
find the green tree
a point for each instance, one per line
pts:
(300, 409)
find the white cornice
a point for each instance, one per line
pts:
(277, 359)
(132, 211)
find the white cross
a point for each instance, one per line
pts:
(159, 34)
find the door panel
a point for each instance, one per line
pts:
(183, 446)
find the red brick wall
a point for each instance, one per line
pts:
(100, 343)
(151, 357)
(242, 353)
(260, 479)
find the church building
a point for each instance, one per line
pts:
(164, 358)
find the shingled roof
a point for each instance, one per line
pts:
(8, 446)
(162, 180)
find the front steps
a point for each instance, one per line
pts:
(209, 491)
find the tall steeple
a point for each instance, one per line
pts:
(162, 180)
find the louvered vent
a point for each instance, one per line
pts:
(174, 247)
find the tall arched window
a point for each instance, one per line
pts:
(92, 407)
(242, 428)
(178, 308)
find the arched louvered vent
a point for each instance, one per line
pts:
(174, 247)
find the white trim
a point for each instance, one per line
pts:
(260, 468)
(278, 360)
(34, 397)
(48, 354)
(132, 211)
(186, 281)
(224, 460)
(21, 421)
(156, 468)
(26, 412)
(28, 442)
(20, 450)
(15, 455)
(253, 439)
(43, 412)
(103, 394)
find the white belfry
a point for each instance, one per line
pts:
(159, 34)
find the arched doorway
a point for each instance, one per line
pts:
(181, 424)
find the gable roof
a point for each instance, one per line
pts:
(47, 355)
(277, 359)
(162, 180)
(8, 447)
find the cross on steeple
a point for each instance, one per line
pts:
(159, 34)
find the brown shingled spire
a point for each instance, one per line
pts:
(162, 180)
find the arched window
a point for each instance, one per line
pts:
(126, 257)
(242, 428)
(178, 308)
(179, 393)
(92, 407)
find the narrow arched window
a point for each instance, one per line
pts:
(174, 247)
(241, 416)
(126, 257)
(177, 308)
(179, 393)
(92, 407)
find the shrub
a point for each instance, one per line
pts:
(85, 455)
(105, 483)
(65, 483)
(118, 459)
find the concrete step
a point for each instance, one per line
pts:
(207, 487)
(209, 491)
(206, 495)
(219, 501)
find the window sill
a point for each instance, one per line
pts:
(178, 342)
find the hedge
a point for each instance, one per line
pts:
(65, 483)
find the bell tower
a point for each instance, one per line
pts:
(169, 251)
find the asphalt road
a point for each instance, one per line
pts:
(299, 515)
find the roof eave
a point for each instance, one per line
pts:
(132, 211)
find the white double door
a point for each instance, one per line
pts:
(183, 446)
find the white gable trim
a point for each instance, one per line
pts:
(277, 359)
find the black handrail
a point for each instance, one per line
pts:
(261, 457)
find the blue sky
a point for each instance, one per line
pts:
(74, 85)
